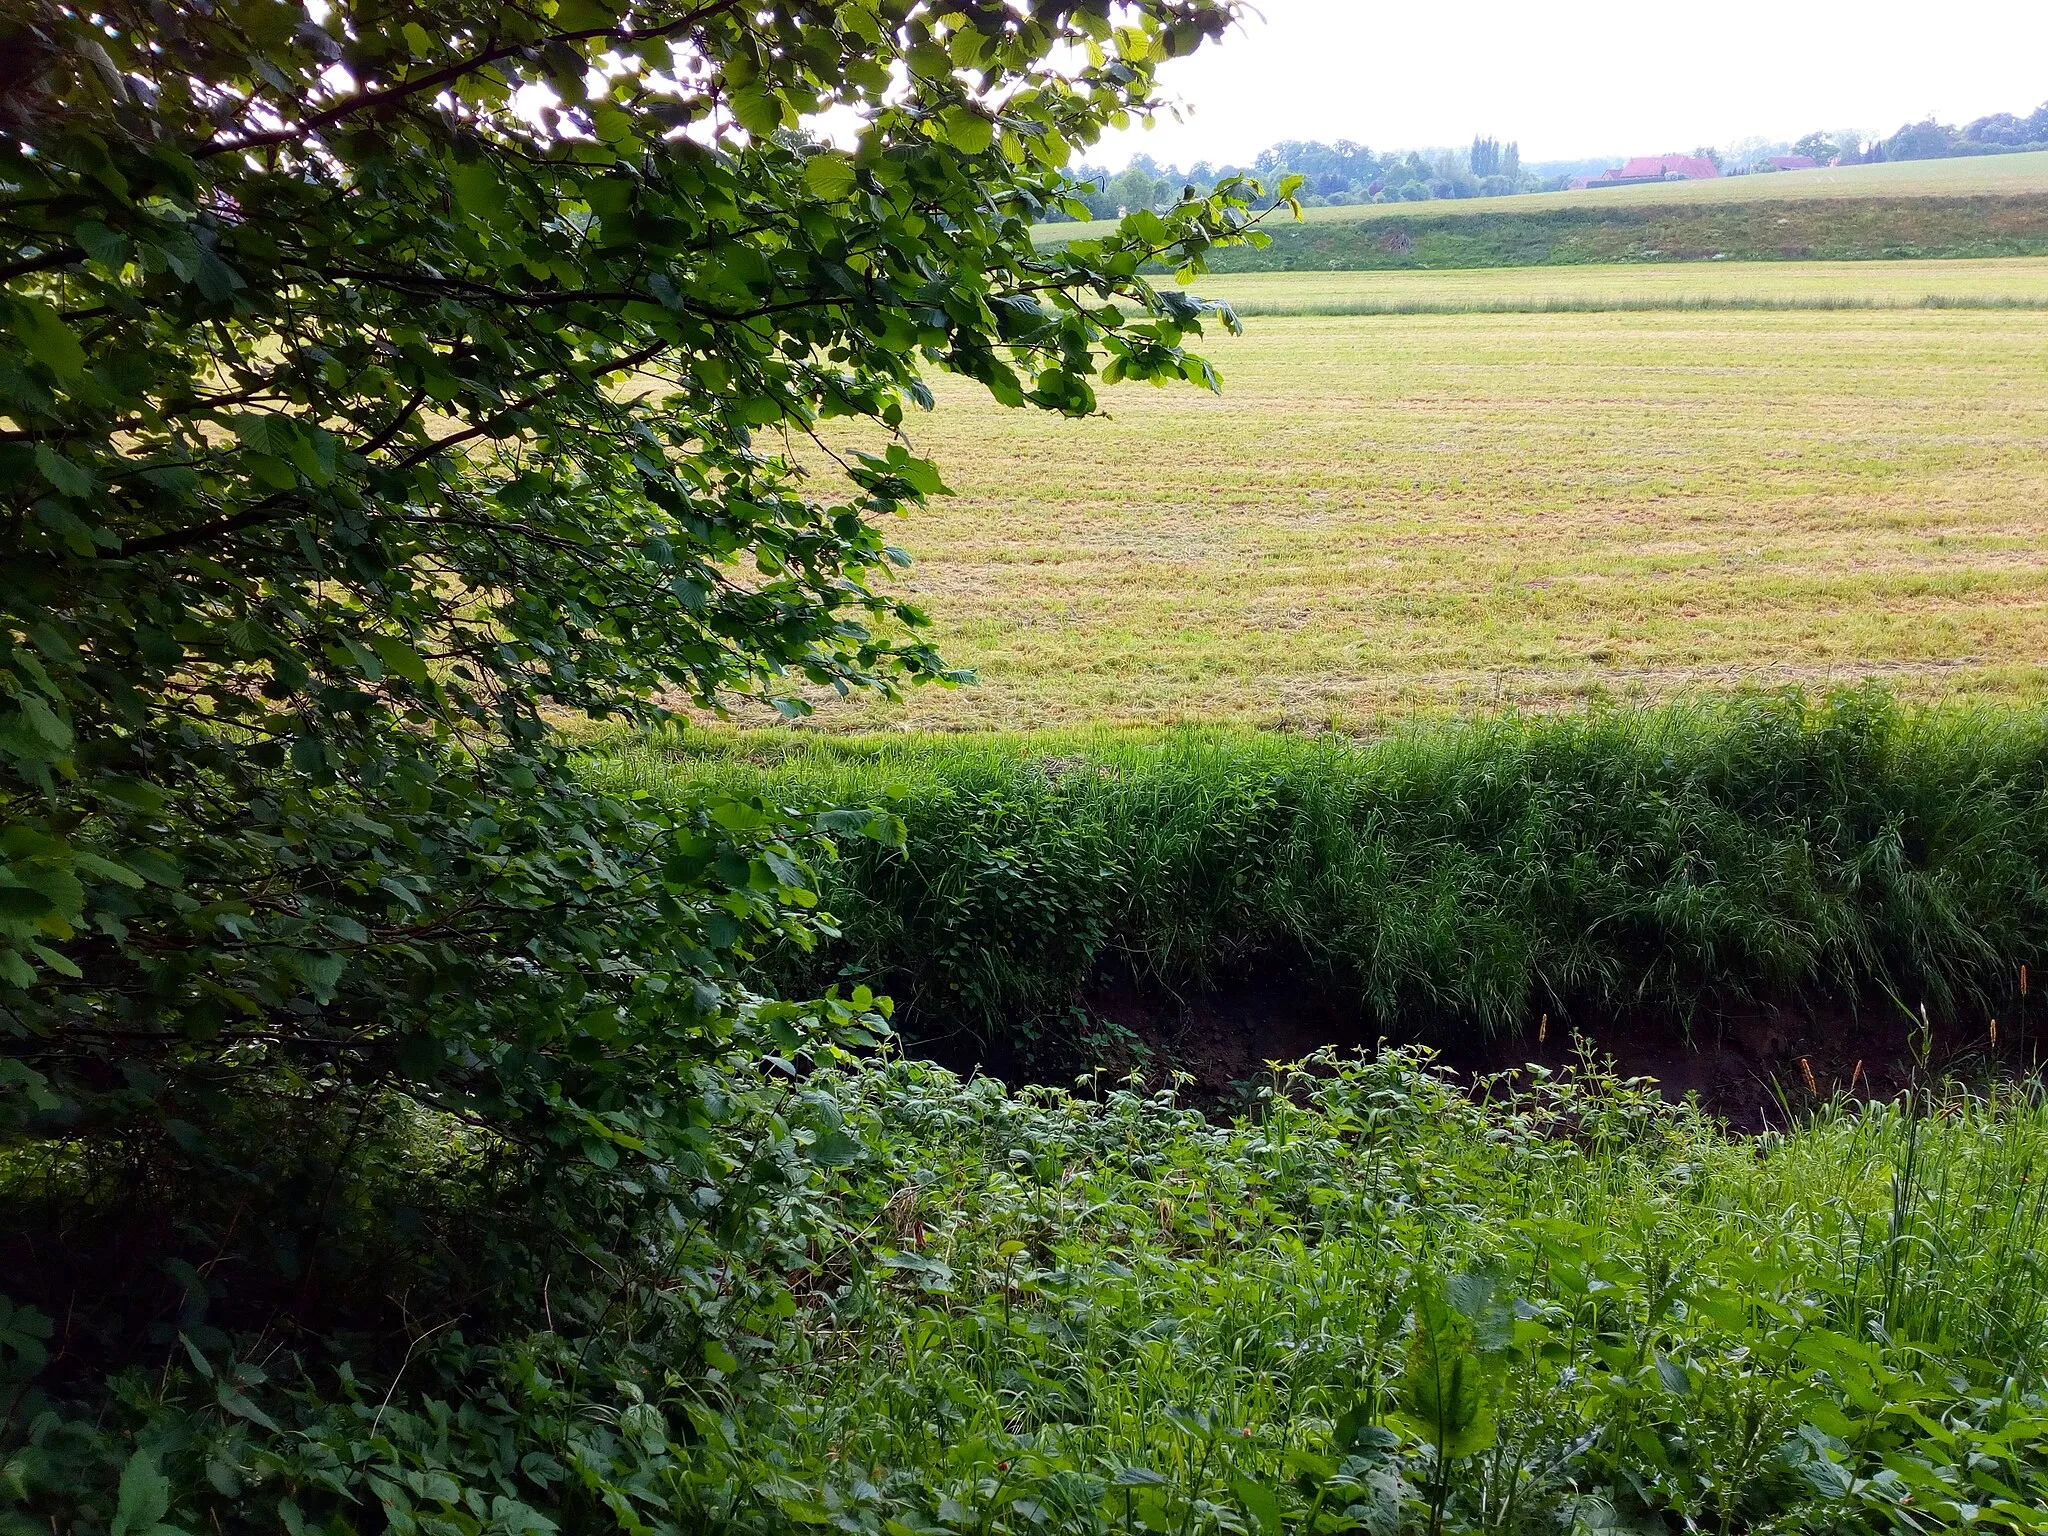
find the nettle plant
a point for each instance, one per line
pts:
(383, 386)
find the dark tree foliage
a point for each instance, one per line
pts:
(384, 385)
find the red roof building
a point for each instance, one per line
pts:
(1662, 168)
(1793, 163)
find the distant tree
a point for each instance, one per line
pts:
(1817, 146)
(1485, 157)
(1708, 152)
(1925, 140)
(1139, 186)
(1511, 162)
(2004, 130)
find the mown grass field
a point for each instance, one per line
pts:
(1972, 176)
(2013, 283)
(1458, 511)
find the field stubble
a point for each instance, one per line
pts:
(1442, 512)
(2007, 283)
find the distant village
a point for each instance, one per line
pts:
(1647, 168)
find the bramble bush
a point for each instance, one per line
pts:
(381, 1108)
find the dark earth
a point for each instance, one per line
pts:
(1754, 1064)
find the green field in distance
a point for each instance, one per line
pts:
(1450, 511)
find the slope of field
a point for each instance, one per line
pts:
(2017, 283)
(1973, 176)
(1452, 511)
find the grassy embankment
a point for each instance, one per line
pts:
(1459, 511)
(1384, 1306)
(1456, 876)
(1994, 206)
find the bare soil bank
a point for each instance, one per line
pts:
(1748, 1062)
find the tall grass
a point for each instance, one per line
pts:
(1464, 874)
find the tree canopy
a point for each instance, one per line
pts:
(386, 384)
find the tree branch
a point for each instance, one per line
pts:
(434, 80)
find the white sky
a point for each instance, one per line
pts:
(1572, 78)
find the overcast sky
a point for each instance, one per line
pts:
(1570, 78)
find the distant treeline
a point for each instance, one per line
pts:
(1999, 134)
(1336, 174)
(1344, 173)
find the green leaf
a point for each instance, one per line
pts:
(46, 338)
(225, 1393)
(267, 432)
(72, 479)
(1673, 1375)
(835, 1149)
(830, 176)
(478, 191)
(399, 658)
(135, 794)
(107, 869)
(154, 867)
(319, 972)
(1443, 1388)
(757, 110)
(967, 130)
(585, 15)
(1261, 1503)
(144, 1499)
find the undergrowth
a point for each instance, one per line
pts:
(1462, 876)
(1384, 1304)
(1376, 1302)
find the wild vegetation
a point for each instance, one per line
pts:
(438, 1098)
(1460, 879)
(381, 388)
(1379, 1304)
